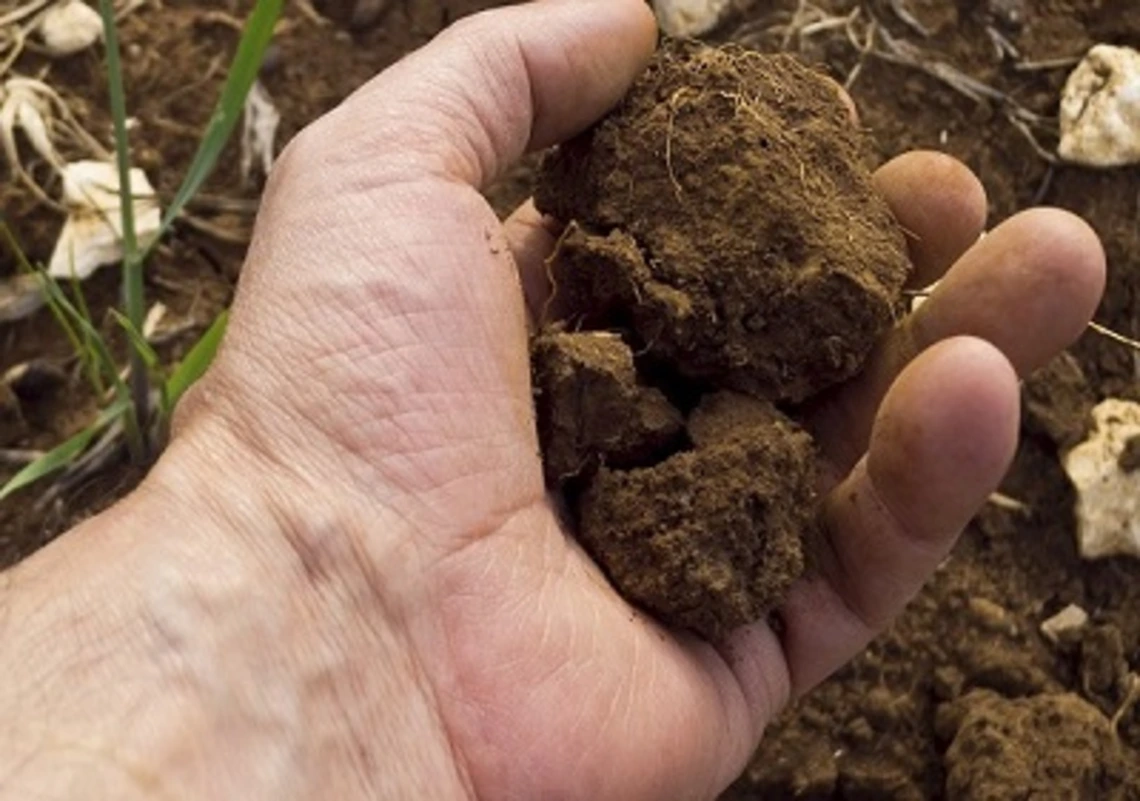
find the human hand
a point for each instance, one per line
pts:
(366, 464)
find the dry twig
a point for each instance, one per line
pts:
(909, 19)
(900, 51)
(1108, 333)
(1061, 63)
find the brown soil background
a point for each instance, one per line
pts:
(881, 728)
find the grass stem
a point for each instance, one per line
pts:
(134, 304)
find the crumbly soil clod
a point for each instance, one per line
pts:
(1047, 746)
(723, 231)
(591, 409)
(709, 539)
(766, 261)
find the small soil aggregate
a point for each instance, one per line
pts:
(591, 408)
(722, 225)
(997, 743)
(709, 539)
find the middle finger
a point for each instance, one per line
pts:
(1029, 288)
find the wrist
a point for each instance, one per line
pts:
(177, 646)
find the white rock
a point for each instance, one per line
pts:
(93, 232)
(690, 17)
(258, 131)
(1108, 498)
(1100, 109)
(1065, 623)
(69, 27)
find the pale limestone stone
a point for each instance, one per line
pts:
(690, 17)
(1108, 497)
(69, 27)
(1065, 623)
(92, 234)
(1100, 109)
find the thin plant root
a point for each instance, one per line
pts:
(23, 12)
(17, 25)
(1061, 63)
(674, 106)
(1007, 503)
(14, 42)
(806, 21)
(48, 123)
(904, 14)
(1131, 699)
(1002, 46)
(17, 458)
(900, 51)
(1108, 333)
(863, 47)
(868, 38)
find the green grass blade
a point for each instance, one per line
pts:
(138, 340)
(197, 360)
(13, 245)
(133, 301)
(89, 356)
(80, 344)
(118, 100)
(56, 295)
(25, 267)
(63, 455)
(123, 399)
(243, 72)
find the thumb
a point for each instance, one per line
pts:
(379, 304)
(494, 86)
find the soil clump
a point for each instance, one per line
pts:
(723, 227)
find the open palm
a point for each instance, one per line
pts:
(378, 357)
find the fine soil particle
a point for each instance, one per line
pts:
(723, 222)
(709, 539)
(808, 770)
(752, 251)
(591, 409)
(1054, 746)
(1059, 401)
(1103, 668)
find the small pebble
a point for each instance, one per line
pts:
(1100, 109)
(948, 682)
(687, 18)
(1065, 626)
(1108, 497)
(991, 616)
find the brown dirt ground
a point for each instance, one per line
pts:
(889, 726)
